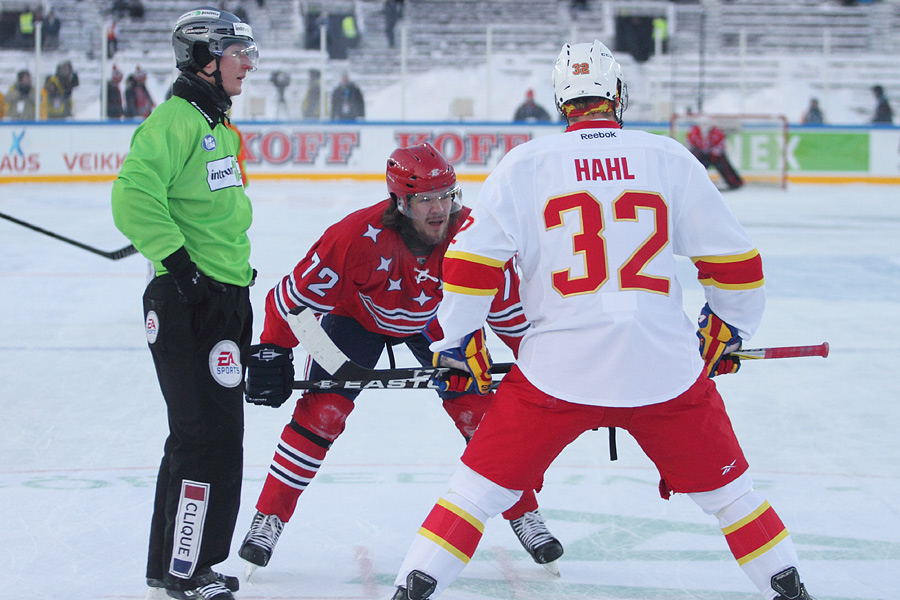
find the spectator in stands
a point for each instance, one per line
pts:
(114, 108)
(347, 102)
(112, 39)
(530, 110)
(50, 30)
(2, 106)
(706, 141)
(311, 100)
(393, 12)
(661, 33)
(883, 111)
(138, 102)
(813, 115)
(26, 28)
(20, 98)
(56, 105)
(68, 80)
(335, 42)
(351, 33)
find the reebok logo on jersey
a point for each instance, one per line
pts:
(223, 173)
(225, 364)
(189, 521)
(727, 468)
(598, 135)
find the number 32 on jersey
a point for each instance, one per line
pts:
(590, 244)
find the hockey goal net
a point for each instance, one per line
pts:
(757, 145)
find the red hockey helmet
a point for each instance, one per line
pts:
(421, 172)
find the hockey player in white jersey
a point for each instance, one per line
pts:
(596, 216)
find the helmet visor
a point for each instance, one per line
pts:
(452, 194)
(246, 52)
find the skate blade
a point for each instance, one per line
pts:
(249, 569)
(553, 567)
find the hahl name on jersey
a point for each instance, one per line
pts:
(603, 169)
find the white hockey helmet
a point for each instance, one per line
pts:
(589, 70)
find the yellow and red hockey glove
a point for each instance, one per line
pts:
(717, 340)
(471, 362)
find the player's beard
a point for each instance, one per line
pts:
(431, 236)
(419, 239)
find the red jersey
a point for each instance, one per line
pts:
(361, 269)
(713, 142)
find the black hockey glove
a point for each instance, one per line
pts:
(270, 373)
(193, 286)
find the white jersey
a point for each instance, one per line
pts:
(596, 216)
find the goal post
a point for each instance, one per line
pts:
(757, 144)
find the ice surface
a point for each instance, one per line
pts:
(85, 424)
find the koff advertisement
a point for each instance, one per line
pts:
(79, 151)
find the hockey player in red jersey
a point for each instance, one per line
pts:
(596, 217)
(710, 150)
(375, 276)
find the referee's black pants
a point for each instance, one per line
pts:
(199, 352)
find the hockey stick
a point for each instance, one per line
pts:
(349, 375)
(419, 379)
(115, 255)
(783, 352)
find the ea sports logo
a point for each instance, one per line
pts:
(225, 364)
(151, 326)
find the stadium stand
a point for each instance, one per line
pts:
(736, 44)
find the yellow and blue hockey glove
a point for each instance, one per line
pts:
(717, 340)
(470, 363)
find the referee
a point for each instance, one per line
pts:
(180, 199)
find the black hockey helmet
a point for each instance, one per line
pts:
(202, 34)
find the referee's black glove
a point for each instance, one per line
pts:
(193, 286)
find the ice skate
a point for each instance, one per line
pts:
(419, 586)
(804, 595)
(157, 589)
(260, 541)
(537, 540)
(787, 584)
(211, 586)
